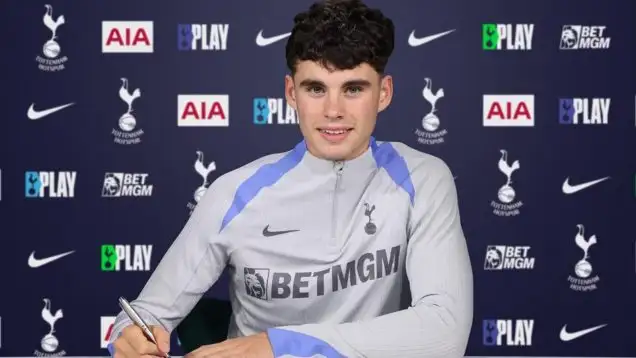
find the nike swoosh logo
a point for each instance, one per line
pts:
(263, 41)
(35, 263)
(414, 41)
(568, 336)
(268, 233)
(571, 189)
(33, 114)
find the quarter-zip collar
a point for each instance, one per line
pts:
(361, 163)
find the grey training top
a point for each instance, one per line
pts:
(316, 252)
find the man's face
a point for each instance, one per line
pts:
(337, 109)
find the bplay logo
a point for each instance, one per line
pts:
(205, 37)
(273, 111)
(126, 184)
(585, 111)
(507, 37)
(502, 257)
(127, 37)
(52, 61)
(126, 257)
(41, 184)
(582, 37)
(508, 332)
(508, 110)
(106, 329)
(203, 110)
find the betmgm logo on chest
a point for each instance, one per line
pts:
(47, 184)
(118, 185)
(266, 284)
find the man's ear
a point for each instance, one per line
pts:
(290, 91)
(386, 93)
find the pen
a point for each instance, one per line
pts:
(136, 318)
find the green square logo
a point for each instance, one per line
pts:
(490, 36)
(109, 258)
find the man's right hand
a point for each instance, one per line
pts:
(133, 343)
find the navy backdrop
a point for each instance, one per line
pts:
(539, 277)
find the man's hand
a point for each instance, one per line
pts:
(255, 346)
(133, 343)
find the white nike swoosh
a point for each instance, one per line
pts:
(33, 114)
(34, 263)
(414, 41)
(262, 41)
(571, 189)
(568, 336)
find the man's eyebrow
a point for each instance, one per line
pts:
(318, 83)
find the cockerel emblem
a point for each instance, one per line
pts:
(127, 122)
(49, 342)
(430, 122)
(506, 192)
(51, 48)
(203, 171)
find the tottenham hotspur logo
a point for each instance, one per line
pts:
(128, 122)
(51, 49)
(203, 171)
(49, 342)
(583, 268)
(430, 122)
(370, 227)
(506, 193)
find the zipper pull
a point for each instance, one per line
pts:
(338, 166)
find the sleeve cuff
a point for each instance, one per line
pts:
(286, 343)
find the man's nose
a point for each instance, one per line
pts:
(333, 107)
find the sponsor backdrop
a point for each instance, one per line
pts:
(118, 115)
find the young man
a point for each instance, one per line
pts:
(317, 238)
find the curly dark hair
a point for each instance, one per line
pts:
(341, 35)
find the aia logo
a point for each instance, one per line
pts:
(203, 110)
(127, 37)
(508, 110)
(107, 324)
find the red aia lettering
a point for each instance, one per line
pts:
(202, 111)
(521, 109)
(109, 332)
(128, 38)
